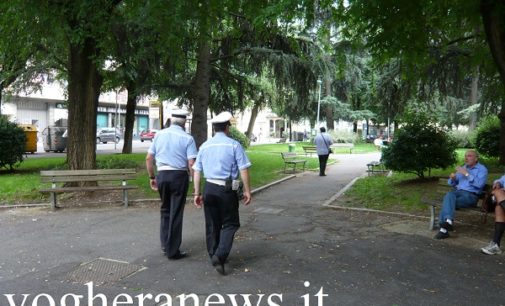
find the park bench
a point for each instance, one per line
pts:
(376, 168)
(282, 140)
(64, 177)
(348, 145)
(309, 150)
(291, 159)
(434, 201)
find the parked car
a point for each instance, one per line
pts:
(147, 135)
(108, 134)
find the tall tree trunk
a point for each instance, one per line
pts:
(84, 83)
(1, 95)
(474, 91)
(493, 17)
(130, 117)
(254, 113)
(200, 94)
(329, 108)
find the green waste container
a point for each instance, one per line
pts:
(291, 147)
(31, 137)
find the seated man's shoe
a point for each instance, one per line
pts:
(218, 264)
(491, 249)
(178, 255)
(441, 235)
(447, 226)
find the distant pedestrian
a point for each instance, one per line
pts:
(323, 142)
(174, 152)
(221, 159)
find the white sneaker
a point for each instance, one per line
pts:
(491, 249)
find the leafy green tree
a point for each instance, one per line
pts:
(487, 141)
(418, 147)
(414, 30)
(12, 144)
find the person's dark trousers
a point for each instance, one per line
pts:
(323, 159)
(173, 188)
(221, 219)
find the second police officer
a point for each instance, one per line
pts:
(221, 159)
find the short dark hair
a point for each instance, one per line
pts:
(322, 129)
(221, 126)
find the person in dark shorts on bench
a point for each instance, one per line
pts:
(493, 248)
(468, 181)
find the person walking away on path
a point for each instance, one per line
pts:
(174, 152)
(493, 248)
(323, 142)
(221, 159)
(468, 180)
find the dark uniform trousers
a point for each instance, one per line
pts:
(221, 219)
(173, 187)
(323, 159)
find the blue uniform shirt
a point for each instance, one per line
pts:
(474, 182)
(322, 142)
(173, 147)
(221, 157)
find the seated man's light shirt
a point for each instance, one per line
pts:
(474, 182)
(173, 147)
(221, 157)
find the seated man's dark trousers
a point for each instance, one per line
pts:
(221, 219)
(173, 188)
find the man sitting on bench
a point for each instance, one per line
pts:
(493, 248)
(469, 180)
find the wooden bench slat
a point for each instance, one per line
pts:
(86, 172)
(290, 159)
(87, 178)
(435, 200)
(86, 188)
(92, 175)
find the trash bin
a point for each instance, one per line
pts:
(291, 147)
(54, 139)
(31, 137)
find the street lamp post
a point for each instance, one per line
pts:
(319, 82)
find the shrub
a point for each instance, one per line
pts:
(12, 144)
(341, 136)
(463, 139)
(487, 140)
(418, 147)
(239, 136)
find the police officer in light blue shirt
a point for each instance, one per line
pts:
(174, 152)
(469, 181)
(221, 159)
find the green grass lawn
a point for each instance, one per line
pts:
(22, 186)
(403, 191)
(284, 147)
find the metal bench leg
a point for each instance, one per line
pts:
(432, 218)
(125, 195)
(53, 200)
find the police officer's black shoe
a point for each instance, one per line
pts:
(218, 264)
(178, 255)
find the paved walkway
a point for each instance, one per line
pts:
(287, 239)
